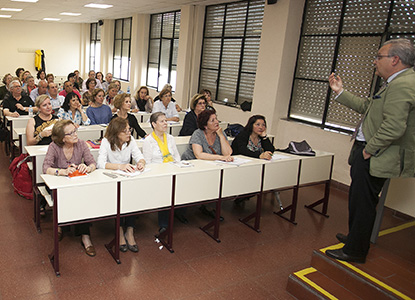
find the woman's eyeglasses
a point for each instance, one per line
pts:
(128, 130)
(72, 133)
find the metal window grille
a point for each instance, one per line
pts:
(231, 40)
(162, 50)
(343, 36)
(95, 47)
(122, 49)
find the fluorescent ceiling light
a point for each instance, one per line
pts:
(51, 19)
(32, 1)
(70, 14)
(5, 16)
(11, 9)
(95, 5)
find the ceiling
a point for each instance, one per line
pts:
(121, 9)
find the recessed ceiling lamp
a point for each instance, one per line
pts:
(51, 19)
(70, 14)
(31, 1)
(5, 16)
(95, 5)
(11, 9)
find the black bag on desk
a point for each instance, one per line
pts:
(233, 129)
(299, 148)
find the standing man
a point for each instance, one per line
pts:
(385, 142)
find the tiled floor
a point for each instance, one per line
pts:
(245, 265)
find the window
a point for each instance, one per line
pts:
(162, 49)
(95, 47)
(122, 48)
(344, 37)
(230, 50)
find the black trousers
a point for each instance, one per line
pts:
(363, 198)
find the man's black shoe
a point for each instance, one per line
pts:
(340, 255)
(341, 237)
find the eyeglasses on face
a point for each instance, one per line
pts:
(72, 133)
(128, 130)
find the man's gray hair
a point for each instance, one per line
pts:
(13, 81)
(404, 49)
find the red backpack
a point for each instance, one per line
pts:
(22, 181)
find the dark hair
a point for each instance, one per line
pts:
(50, 75)
(202, 91)
(40, 72)
(102, 75)
(58, 131)
(251, 121)
(114, 128)
(88, 81)
(203, 118)
(70, 75)
(18, 70)
(154, 117)
(195, 100)
(68, 98)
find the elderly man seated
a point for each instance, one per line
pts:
(41, 89)
(17, 104)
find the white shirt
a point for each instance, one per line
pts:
(152, 153)
(170, 111)
(57, 102)
(98, 86)
(123, 156)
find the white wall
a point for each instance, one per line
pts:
(60, 41)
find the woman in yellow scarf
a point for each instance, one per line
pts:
(160, 147)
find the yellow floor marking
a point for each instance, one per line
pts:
(302, 275)
(364, 274)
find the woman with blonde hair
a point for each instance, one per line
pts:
(122, 103)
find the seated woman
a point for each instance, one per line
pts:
(142, 100)
(50, 78)
(208, 96)
(197, 105)
(166, 106)
(109, 98)
(122, 102)
(253, 141)
(87, 95)
(65, 155)
(72, 110)
(41, 75)
(39, 128)
(98, 112)
(208, 143)
(117, 149)
(168, 87)
(30, 84)
(4, 90)
(160, 147)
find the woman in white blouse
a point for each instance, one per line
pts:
(117, 149)
(160, 147)
(72, 110)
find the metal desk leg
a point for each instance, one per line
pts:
(379, 212)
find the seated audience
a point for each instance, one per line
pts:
(166, 106)
(208, 96)
(91, 75)
(122, 102)
(65, 155)
(39, 128)
(208, 142)
(72, 79)
(117, 149)
(23, 77)
(118, 84)
(30, 85)
(41, 89)
(55, 99)
(91, 84)
(19, 72)
(68, 88)
(17, 104)
(72, 110)
(197, 105)
(98, 112)
(4, 90)
(160, 147)
(108, 80)
(100, 77)
(142, 101)
(50, 78)
(78, 80)
(41, 75)
(169, 87)
(109, 98)
(253, 141)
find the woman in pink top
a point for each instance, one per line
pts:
(65, 155)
